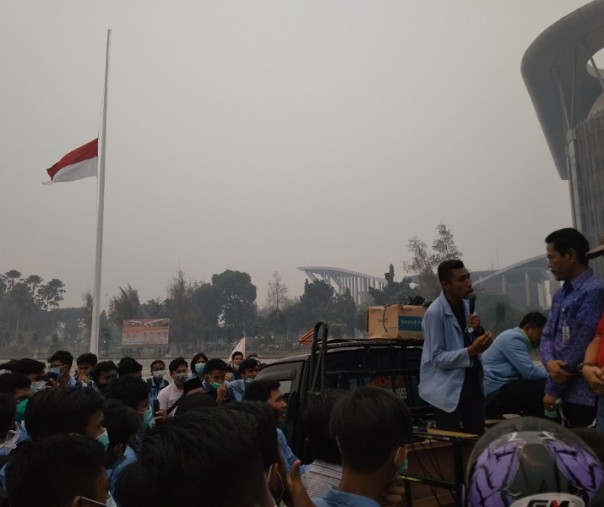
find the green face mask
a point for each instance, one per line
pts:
(20, 412)
(103, 439)
(403, 468)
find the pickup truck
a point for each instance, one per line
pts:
(346, 364)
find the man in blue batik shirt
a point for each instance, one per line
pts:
(576, 309)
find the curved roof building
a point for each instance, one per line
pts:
(566, 88)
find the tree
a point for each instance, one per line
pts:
(153, 308)
(276, 297)
(443, 246)
(51, 293)
(237, 300)
(207, 300)
(181, 309)
(424, 263)
(22, 302)
(316, 299)
(343, 309)
(126, 306)
(34, 282)
(11, 278)
(393, 292)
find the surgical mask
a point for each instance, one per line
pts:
(199, 368)
(235, 367)
(147, 417)
(249, 380)
(215, 385)
(181, 378)
(159, 374)
(20, 413)
(37, 386)
(109, 503)
(103, 439)
(56, 370)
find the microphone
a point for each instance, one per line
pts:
(472, 300)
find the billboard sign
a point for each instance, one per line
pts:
(145, 332)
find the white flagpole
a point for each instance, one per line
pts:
(96, 299)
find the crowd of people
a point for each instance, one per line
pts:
(202, 432)
(207, 432)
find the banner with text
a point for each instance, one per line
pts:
(145, 332)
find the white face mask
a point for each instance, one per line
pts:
(109, 503)
(37, 386)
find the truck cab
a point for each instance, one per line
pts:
(346, 364)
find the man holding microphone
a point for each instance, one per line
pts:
(451, 377)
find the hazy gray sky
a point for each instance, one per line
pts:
(265, 135)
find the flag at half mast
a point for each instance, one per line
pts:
(77, 164)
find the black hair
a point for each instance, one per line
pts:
(261, 417)
(62, 355)
(61, 467)
(9, 365)
(194, 402)
(569, 238)
(129, 390)
(212, 438)
(102, 367)
(369, 423)
(176, 363)
(87, 358)
(248, 364)
(122, 422)
(445, 269)
(54, 411)
(8, 407)
(236, 353)
(260, 390)
(534, 319)
(315, 421)
(128, 365)
(27, 366)
(156, 361)
(191, 384)
(10, 382)
(215, 364)
(196, 358)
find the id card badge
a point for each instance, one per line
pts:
(565, 334)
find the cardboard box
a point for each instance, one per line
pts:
(395, 321)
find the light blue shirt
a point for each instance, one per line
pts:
(287, 454)
(114, 472)
(237, 388)
(444, 356)
(508, 359)
(337, 498)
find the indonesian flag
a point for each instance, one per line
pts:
(307, 337)
(77, 164)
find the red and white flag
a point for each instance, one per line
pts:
(77, 164)
(307, 337)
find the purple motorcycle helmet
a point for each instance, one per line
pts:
(531, 462)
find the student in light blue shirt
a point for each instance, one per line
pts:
(373, 449)
(513, 383)
(122, 424)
